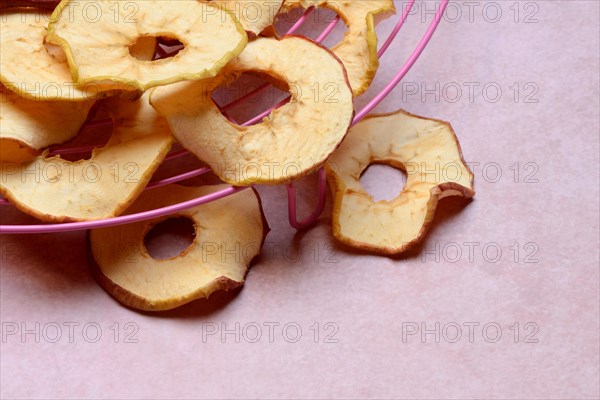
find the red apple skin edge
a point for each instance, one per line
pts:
(49, 5)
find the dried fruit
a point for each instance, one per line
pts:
(54, 189)
(229, 234)
(28, 126)
(292, 141)
(426, 149)
(255, 16)
(46, 74)
(358, 48)
(98, 48)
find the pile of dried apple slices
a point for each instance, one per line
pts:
(79, 65)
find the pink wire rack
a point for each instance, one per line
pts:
(291, 191)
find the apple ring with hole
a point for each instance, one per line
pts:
(58, 190)
(426, 149)
(229, 234)
(28, 126)
(255, 16)
(358, 48)
(292, 141)
(46, 74)
(98, 42)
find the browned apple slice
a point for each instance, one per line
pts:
(292, 141)
(229, 233)
(358, 48)
(98, 48)
(55, 189)
(426, 149)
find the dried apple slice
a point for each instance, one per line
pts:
(255, 16)
(28, 126)
(229, 233)
(292, 141)
(46, 75)
(426, 149)
(358, 48)
(54, 189)
(98, 48)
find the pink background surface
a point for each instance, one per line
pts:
(549, 212)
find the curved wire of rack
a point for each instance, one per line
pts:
(291, 191)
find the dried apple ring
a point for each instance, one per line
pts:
(97, 37)
(54, 189)
(229, 233)
(28, 126)
(358, 48)
(46, 74)
(255, 16)
(426, 149)
(292, 141)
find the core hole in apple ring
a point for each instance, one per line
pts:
(152, 48)
(170, 238)
(252, 93)
(377, 172)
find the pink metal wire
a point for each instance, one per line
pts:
(322, 183)
(124, 219)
